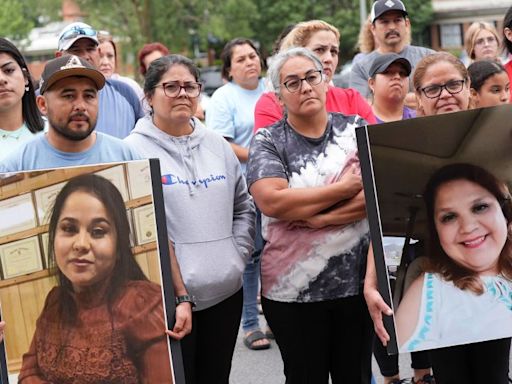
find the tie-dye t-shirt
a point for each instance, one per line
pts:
(303, 264)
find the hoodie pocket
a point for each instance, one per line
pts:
(211, 269)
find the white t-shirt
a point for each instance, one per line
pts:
(452, 316)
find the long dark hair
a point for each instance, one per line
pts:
(31, 114)
(507, 23)
(125, 268)
(439, 261)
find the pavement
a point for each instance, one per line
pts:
(266, 366)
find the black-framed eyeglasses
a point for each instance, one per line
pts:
(434, 91)
(173, 88)
(77, 31)
(295, 83)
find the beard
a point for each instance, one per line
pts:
(71, 134)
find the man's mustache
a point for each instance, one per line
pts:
(393, 33)
(80, 116)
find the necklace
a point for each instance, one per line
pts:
(13, 135)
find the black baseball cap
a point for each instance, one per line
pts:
(382, 6)
(382, 62)
(66, 66)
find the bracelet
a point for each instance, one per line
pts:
(186, 299)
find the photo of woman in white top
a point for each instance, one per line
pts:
(465, 295)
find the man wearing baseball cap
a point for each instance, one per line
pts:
(119, 105)
(68, 97)
(390, 25)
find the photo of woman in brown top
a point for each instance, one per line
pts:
(104, 322)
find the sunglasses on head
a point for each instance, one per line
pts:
(77, 31)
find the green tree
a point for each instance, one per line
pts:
(421, 14)
(12, 20)
(180, 24)
(17, 18)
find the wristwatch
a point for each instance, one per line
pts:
(186, 299)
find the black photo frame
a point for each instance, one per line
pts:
(398, 158)
(153, 258)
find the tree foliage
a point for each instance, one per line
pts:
(181, 23)
(421, 14)
(12, 21)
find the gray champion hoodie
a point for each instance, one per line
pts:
(210, 215)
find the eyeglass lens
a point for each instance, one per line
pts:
(435, 90)
(174, 89)
(312, 78)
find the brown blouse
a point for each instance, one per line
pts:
(130, 346)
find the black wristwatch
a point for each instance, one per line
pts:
(186, 299)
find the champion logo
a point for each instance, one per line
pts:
(389, 3)
(73, 62)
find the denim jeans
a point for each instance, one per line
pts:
(251, 283)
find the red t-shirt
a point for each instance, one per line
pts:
(347, 101)
(507, 66)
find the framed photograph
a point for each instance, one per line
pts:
(90, 235)
(138, 176)
(116, 176)
(144, 220)
(422, 178)
(20, 210)
(20, 257)
(44, 201)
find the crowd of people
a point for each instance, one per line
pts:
(264, 185)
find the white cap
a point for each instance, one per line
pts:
(74, 32)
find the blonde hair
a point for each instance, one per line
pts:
(473, 31)
(300, 35)
(365, 40)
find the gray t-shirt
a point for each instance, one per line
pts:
(304, 264)
(361, 69)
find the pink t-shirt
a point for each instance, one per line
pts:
(347, 101)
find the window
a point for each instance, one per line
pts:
(451, 35)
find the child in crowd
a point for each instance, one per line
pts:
(490, 84)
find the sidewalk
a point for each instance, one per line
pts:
(266, 367)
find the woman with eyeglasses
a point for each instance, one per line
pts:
(20, 118)
(323, 39)
(481, 41)
(441, 84)
(304, 175)
(210, 215)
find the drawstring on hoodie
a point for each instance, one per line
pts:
(191, 171)
(184, 145)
